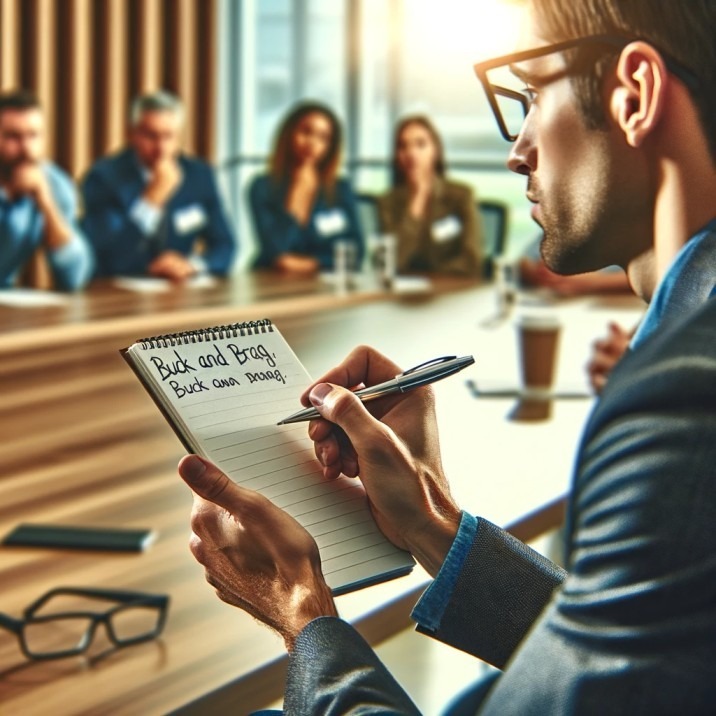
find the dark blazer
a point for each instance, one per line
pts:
(447, 240)
(195, 211)
(278, 232)
(632, 628)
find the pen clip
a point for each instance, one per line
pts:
(434, 361)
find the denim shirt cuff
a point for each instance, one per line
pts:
(429, 610)
(65, 256)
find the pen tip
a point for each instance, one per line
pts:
(280, 422)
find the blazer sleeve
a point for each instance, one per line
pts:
(502, 589)
(332, 670)
(118, 242)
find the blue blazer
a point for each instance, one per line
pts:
(111, 187)
(631, 629)
(278, 232)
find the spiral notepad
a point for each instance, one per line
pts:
(223, 389)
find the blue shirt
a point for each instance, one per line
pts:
(279, 232)
(688, 284)
(22, 230)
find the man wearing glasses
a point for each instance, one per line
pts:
(615, 130)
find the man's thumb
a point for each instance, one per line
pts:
(207, 481)
(345, 409)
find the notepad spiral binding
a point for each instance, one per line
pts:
(232, 330)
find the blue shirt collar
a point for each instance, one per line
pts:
(689, 282)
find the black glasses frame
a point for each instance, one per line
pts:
(125, 599)
(614, 42)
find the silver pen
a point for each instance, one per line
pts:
(422, 374)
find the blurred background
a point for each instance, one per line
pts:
(240, 64)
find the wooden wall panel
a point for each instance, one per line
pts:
(179, 70)
(87, 59)
(205, 74)
(111, 82)
(43, 73)
(9, 44)
(145, 45)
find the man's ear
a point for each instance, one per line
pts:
(638, 97)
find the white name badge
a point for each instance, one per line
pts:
(190, 218)
(331, 222)
(446, 229)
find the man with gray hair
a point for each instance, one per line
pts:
(151, 210)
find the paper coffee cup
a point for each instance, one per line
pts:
(538, 343)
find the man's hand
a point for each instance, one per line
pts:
(606, 353)
(29, 179)
(166, 178)
(296, 264)
(256, 556)
(172, 265)
(392, 445)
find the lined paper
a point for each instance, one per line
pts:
(225, 397)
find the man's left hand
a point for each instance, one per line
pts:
(256, 556)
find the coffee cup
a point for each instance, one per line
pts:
(538, 343)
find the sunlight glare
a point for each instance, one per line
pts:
(471, 30)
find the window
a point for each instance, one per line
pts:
(371, 61)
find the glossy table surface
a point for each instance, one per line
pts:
(82, 444)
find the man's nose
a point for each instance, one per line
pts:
(523, 155)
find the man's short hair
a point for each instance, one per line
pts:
(19, 101)
(159, 101)
(683, 29)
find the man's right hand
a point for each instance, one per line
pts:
(392, 445)
(296, 264)
(165, 180)
(606, 353)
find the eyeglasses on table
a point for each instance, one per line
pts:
(64, 621)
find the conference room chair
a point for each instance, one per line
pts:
(368, 213)
(495, 221)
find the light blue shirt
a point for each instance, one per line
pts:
(430, 608)
(688, 284)
(22, 228)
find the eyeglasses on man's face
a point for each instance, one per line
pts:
(509, 97)
(63, 622)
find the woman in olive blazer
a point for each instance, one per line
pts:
(434, 219)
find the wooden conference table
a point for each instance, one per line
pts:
(82, 444)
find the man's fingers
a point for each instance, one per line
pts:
(364, 366)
